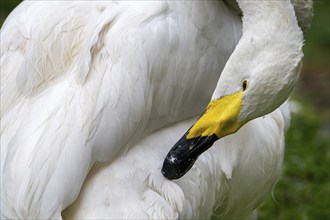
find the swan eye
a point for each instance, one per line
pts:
(244, 85)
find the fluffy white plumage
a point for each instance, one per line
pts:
(92, 82)
(226, 182)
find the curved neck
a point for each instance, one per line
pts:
(269, 51)
(274, 16)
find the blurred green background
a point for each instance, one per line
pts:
(303, 189)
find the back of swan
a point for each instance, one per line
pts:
(83, 85)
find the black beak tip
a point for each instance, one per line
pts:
(170, 170)
(168, 174)
(174, 167)
(183, 155)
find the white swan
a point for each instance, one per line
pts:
(227, 182)
(86, 84)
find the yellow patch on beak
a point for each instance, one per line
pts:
(220, 117)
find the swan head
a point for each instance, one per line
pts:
(258, 77)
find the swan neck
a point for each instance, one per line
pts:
(268, 16)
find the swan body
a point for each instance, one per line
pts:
(83, 85)
(219, 185)
(92, 83)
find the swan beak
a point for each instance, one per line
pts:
(219, 119)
